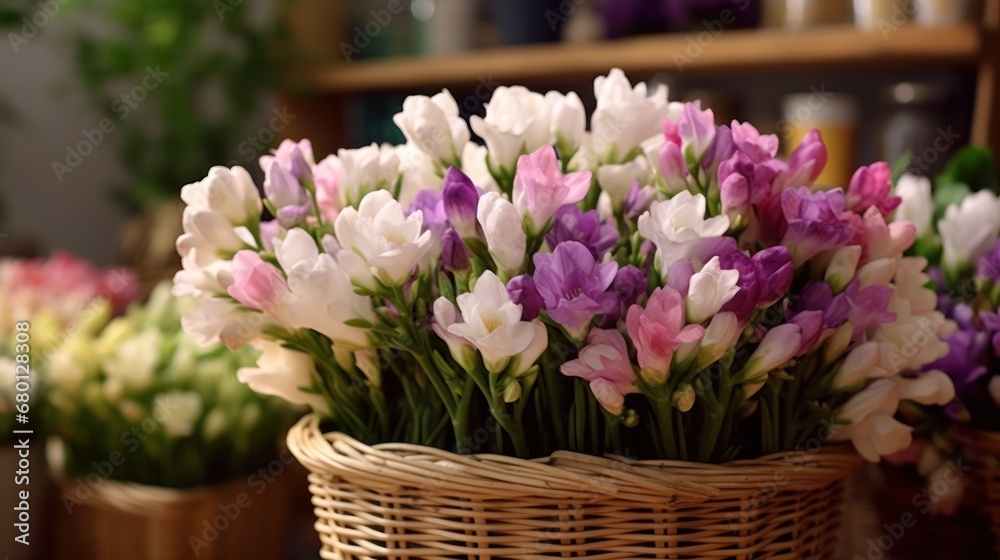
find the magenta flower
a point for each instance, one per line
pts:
(258, 284)
(523, 292)
(574, 286)
(759, 147)
(540, 188)
(811, 325)
(658, 330)
(776, 270)
(572, 224)
(605, 364)
(817, 222)
(289, 198)
(871, 186)
(460, 198)
(744, 182)
(454, 255)
(805, 164)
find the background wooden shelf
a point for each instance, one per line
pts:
(730, 51)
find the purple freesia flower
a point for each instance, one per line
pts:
(291, 201)
(963, 362)
(764, 279)
(805, 164)
(817, 222)
(572, 224)
(454, 255)
(818, 296)
(746, 299)
(776, 270)
(697, 130)
(871, 186)
(744, 182)
(460, 198)
(989, 264)
(269, 231)
(429, 202)
(867, 306)
(293, 156)
(811, 325)
(574, 286)
(629, 284)
(522, 291)
(747, 139)
(722, 148)
(991, 322)
(638, 200)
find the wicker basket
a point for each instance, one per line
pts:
(987, 448)
(131, 521)
(411, 502)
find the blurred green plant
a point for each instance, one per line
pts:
(215, 66)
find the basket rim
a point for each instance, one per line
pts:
(403, 468)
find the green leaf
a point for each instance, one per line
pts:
(947, 194)
(973, 166)
(899, 166)
(359, 323)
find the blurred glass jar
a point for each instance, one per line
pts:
(944, 12)
(796, 14)
(835, 116)
(873, 14)
(915, 116)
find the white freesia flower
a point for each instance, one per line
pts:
(230, 193)
(207, 233)
(617, 179)
(418, 171)
(178, 411)
(910, 295)
(917, 205)
(516, 122)
(858, 365)
(720, 335)
(135, 361)
(284, 373)
(322, 296)
(492, 323)
(842, 267)
(474, 165)
(878, 272)
(624, 117)
(709, 290)
(213, 320)
(434, 125)
(569, 122)
(446, 315)
(969, 230)
(503, 230)
(932, 387)
(366, 170)
(378, 236)
(778, 346)
(676, 225)
(872, 429)
(527, 357)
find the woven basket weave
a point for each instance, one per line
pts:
(987, 448)
(132, 521)
(404, 501)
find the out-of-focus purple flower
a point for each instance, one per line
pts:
(460, 198)
(637, 200)
(679, 276)
(817, 222)
(871, 186)
(697, 131)
(522, 291)
(269, 231)
(963, 364)
(811, 323)
(744, 182)
(805, 164)
(989, 264)
(818, 296)
(294, 157)
(574, 287)
(629, 284)
(747, 139)
(572, 224)
(291, 201)
(991, 322)
(430, 203)
(454, 255)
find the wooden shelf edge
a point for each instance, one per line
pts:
(736, 51)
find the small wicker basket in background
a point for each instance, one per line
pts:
(406, 502)
(123, 521)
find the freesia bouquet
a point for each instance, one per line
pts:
(49, 295)
(657, 285)
(153, 406)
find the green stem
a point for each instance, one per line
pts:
(665, 421)
(461, 423)
(713, 426)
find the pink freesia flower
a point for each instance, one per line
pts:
(329, 176)
(540, 188)
(871, 186)
(697, 129)
(296, 157)
(258, 284)
(805, 164)
(879, 240)
(659, 329)
(749, 140)
(605, 364)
